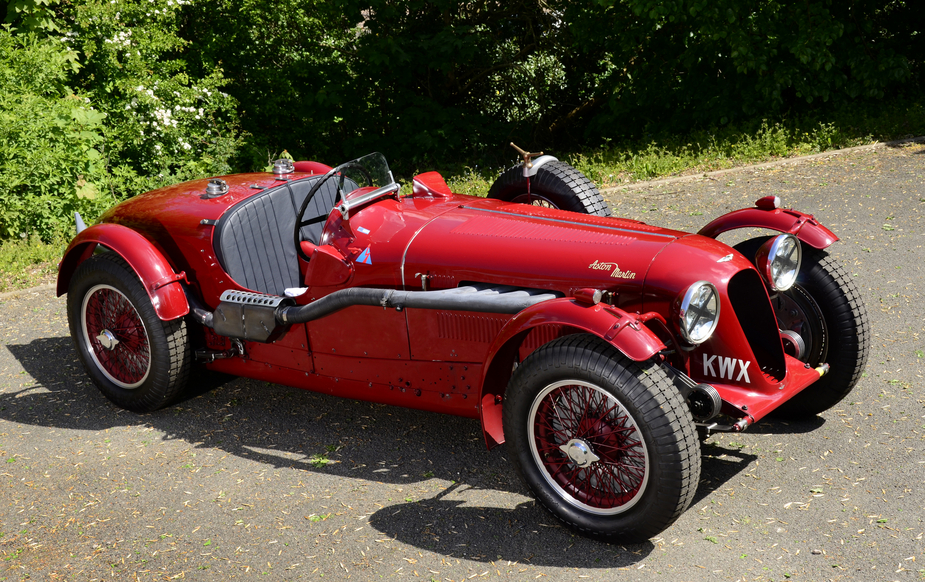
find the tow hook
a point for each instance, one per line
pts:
(738, 426)
(741, 425)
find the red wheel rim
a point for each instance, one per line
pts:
(116, 337)
(588, 447)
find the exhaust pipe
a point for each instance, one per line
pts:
(485, 299)
(263, 318)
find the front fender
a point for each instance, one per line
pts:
(802, 225)
(622, 330)
(156, 274)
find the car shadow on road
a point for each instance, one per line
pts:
(525, 534)
(287, 428)
(434, 524)
(773, 425)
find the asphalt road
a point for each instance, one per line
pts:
(249, 480)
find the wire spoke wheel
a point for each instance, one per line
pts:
(138, 361)
(606, 444)
(589, 447)
(116, 336)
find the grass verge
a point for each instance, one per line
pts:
(660, 156)
(29, 262)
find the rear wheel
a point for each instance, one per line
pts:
(136, 360)
(829, 324)
(555, 185)
(606, 444)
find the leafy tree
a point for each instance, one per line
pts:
(421, 79)
(678, 62)
(31, 15)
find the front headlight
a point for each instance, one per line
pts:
(699, 312)
(778, 261)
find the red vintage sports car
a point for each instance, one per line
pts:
(595, 347)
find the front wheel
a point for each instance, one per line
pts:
(136, 360)
(606, 444)
(555, 185)
(825, 311)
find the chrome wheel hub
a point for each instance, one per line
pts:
(107, 339)
(580, 453)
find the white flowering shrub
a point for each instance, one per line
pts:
(165, 122)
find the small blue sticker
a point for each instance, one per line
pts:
(363, 230)
(365, 258)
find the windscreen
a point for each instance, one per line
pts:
(372, 170)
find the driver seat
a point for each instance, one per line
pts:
(253, 239)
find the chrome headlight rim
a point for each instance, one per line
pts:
(774, 253)
(685, 309)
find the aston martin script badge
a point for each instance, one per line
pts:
(617, 273)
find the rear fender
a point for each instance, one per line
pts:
(156, 274)
(765, 215)
(622, 330)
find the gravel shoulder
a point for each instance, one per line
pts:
(246, 478)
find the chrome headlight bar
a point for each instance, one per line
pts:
(698, 314)
(778, 260)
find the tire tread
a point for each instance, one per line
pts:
(557, 179)
(831, 286)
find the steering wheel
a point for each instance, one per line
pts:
(299, 223)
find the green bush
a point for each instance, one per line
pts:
(100, 104)
(51, 142)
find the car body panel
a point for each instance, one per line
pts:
(755, 404)
(513, 244)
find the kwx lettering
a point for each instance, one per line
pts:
(727, 368)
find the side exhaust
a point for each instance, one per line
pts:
(263, 318)
(486, 299)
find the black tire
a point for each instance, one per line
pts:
(136, 360)
(555, 185)
(627, 490)
(824, 306)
